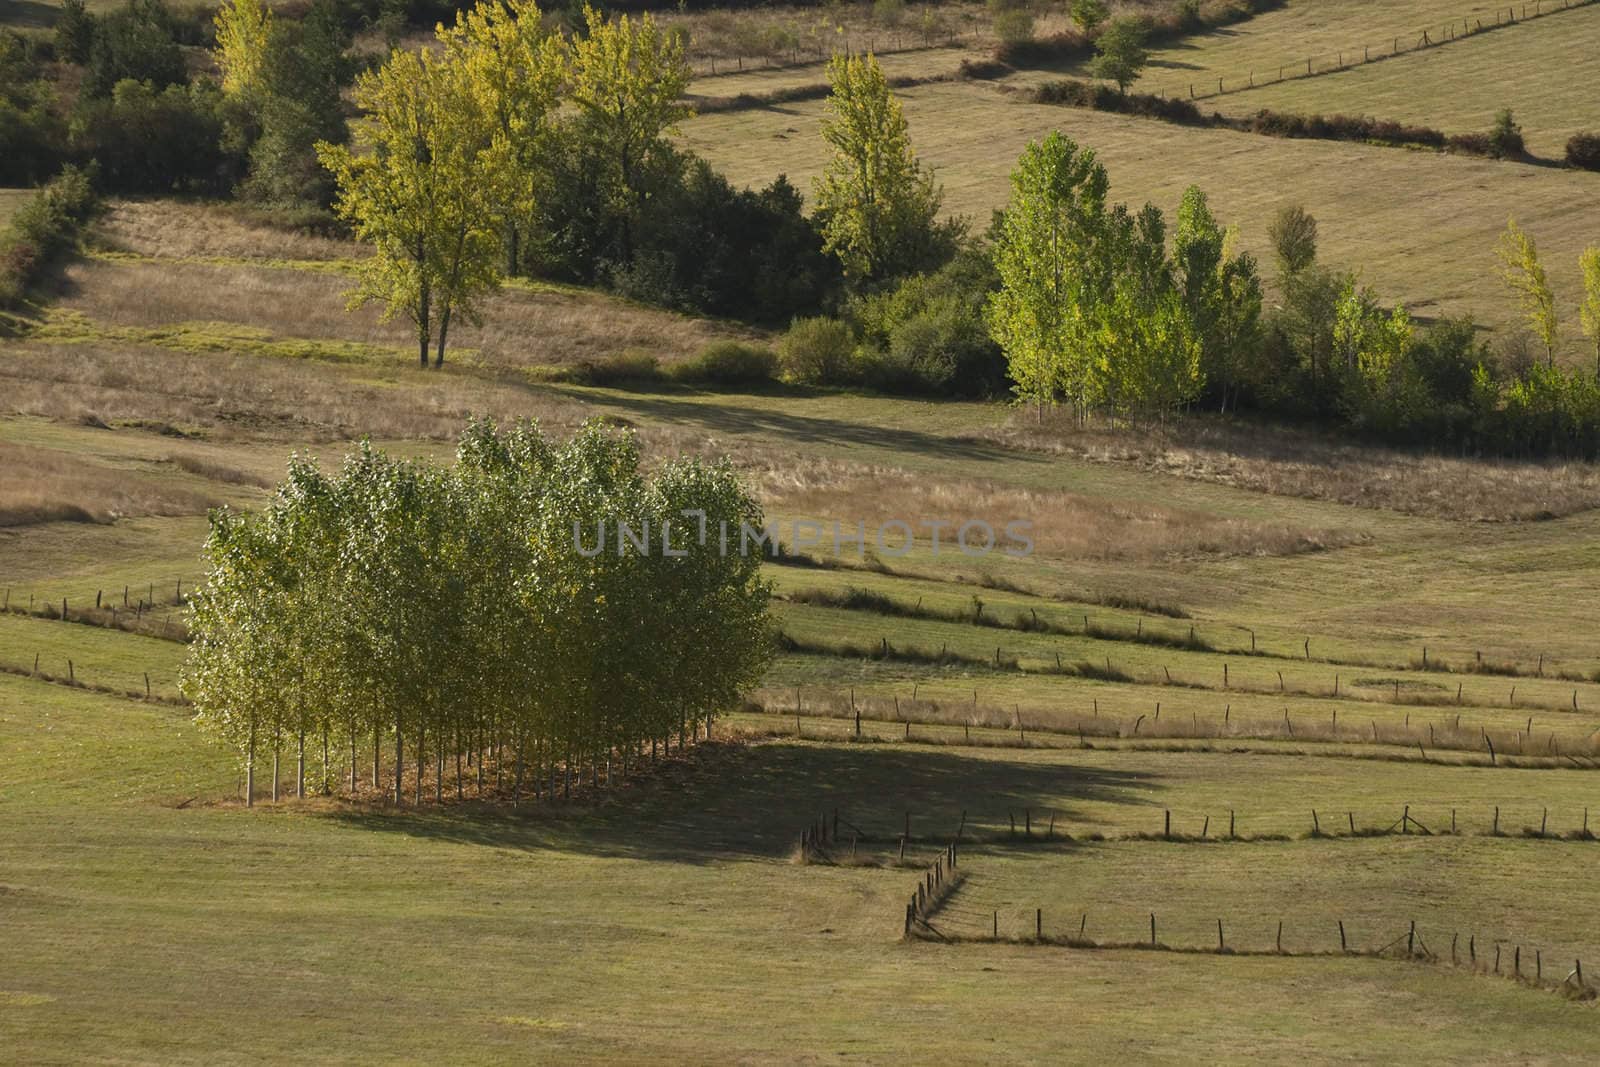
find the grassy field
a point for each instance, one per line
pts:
(1428, 241)
(664, 902)
(150, 917)
(1538, 69)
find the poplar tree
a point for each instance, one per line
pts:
(876, 202)
(243, 29)
(516, 69)
(1524, 275)
(1589, 264)
(626, 79)
(1042, 313)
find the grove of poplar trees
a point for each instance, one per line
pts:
(444, 621)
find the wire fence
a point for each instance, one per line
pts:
(1333, 62)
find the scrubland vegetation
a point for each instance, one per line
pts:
(333, 338)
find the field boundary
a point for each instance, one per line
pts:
(1423, 42)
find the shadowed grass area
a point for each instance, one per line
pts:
(667, 896)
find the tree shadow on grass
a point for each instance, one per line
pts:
(731, 418)
(732, 802)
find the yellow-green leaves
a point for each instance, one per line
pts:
(243, 27)
(876, 202)
(1589, 264)
(1524, 275)
(430, 166)
(626, 80)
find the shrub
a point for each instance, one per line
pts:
(42, 229)
(729, 363)
(1013, 24)
(1505, 137)
(927, 335)
(621, 368)
(1074, 93)
(816, 351)
(1583, 150)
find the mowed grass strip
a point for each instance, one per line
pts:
(1540, 70)
(1296, 32)
(99, 657)
(1428, 241)
(1497, 894)
(849, 632)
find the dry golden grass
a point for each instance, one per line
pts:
(521, 329)
(1064, 524)
(244, 398)
(175, 229)
(1421, 227)
(40, 485)
(1301, 464)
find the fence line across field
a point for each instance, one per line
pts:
(1334, 62)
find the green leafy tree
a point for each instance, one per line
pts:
(1221, 294)
(1044, 254)
(457, 612)
(429, 159)
(1120, 52)
(1293, 232)
(1089, 14)
(298, 103)
(876, 202)
(74, 33)
(1589, 264)
(626, 80)
(1524, 275)
(517, 68)
(134, 42)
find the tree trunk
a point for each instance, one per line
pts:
(300, 766)
(444, 329)
(250, 769)
(399, 761)
(377, 767)
(424, 307)
(276, 752)
(511, 251)
(419, 757)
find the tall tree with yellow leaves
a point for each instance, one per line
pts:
(430, 165)
(876, 201)
(1524, 275)
(516, 69)
(243, 30)
(627, 80)
(1589, 263)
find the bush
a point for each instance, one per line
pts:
(928, 334)
(1505, 137)
(1583, 150)
(816, 351)
(729, 363)
(32, 141)
(42, 229)
(1013, 25)
(1074, 93)
(621, 368)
